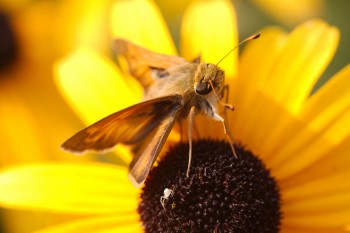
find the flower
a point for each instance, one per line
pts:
(303, 140)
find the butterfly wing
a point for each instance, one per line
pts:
(141, 62)
(128, 126)
(148, 150)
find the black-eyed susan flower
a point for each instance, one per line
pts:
(293, 165)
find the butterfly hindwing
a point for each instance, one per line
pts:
(149, 149)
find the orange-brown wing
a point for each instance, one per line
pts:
(149, 149)
(141, 62)
(128, 126)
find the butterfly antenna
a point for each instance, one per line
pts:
(252, 37)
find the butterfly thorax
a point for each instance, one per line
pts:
(193, 82)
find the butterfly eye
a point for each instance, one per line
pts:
(203, 88)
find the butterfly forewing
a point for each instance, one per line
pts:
(128, 126)
(141, 61)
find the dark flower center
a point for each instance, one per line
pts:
(221, 194)
(8, 47)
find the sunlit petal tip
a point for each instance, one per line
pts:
(316, 23)
(53, 187)
(209, 29)
(316, 30)
(92, 85)
(315, 27)
(305, 56)
(292, 12)
(141, 22)
(93, 27)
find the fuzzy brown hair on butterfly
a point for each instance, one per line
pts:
(175, 89)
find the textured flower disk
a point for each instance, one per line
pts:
(221, 194)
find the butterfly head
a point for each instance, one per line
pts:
(208, 76)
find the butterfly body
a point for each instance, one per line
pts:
(182, 80)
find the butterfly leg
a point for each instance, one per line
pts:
(196, 131)
(182, 137)
(228, 134)
(224, 120)
(183, 130)
(227, 130)
(191, 116)
(225, 92)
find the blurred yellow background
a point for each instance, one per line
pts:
(34, 34)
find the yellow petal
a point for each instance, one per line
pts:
(141, 22)
(329, 101)
(298, 149)
(92, 28)
(173, 12)
(209, 29)
(261, 54)
(19, 133)
(254, 133)
(329, 203)
(291, 11)
(78, 23)
(335, 161)
(302, 151)
(325, 111)
(298, 153)
(295, 145)
(116, 223)
(317, 188)
(68, 188)
(19, 221)
(303, 59)
(317, 220)
(92, 85)
(303, 229)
